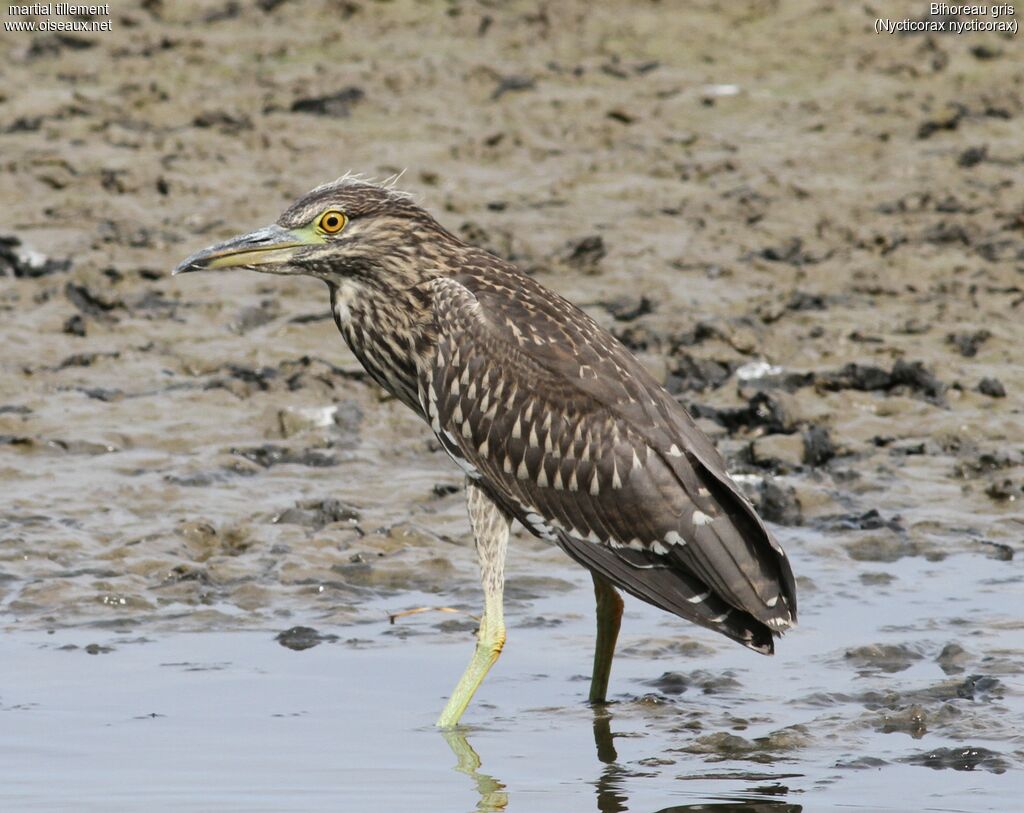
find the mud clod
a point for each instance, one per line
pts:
(992, 387)
(300, 638)
(818, 446)
(316, 514)
(968, 343)
(269, 455)
(706, 682)
(337, 105)
(18, 261)
(953, 659)
(585, 254)
(887, 658)
(966, 758)
(778, 503)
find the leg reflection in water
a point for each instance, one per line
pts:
(492, 792)
(610, 798)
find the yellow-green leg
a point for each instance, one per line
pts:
(490, 528)
(609, 618)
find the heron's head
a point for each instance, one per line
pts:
(346, 231)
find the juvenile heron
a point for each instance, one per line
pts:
(553, 421)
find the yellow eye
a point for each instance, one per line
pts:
(332, 222)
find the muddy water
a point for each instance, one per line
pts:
(820, 255)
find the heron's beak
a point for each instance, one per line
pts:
(272, 245)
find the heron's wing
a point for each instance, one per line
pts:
(573, 436)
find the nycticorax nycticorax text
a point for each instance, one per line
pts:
(553, 421)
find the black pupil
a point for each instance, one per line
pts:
(332, 222)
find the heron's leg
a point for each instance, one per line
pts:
(609, 617)
(490, 529)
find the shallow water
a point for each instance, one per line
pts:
(236, 721)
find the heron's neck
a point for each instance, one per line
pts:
(387, 332)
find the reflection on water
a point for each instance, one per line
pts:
(610, 795)
(611, 781)
(492, 792)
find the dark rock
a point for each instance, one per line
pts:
(316, 514)
(788, 252)
(586, 253)
(818, 447)
(307, 318)
(74, 325)
(944, 234)
(992, 387)
(445, 489)
(626, 309)
(9, 409)
(53, 44)
(984, 51)
(89, 303)
(948, 122)
(778, 503)
(621, 116)
(853, 376)
(17, 261)
(968, 343)
(97, 649)
(86, 359)
(222, 121)
(269, 455)
(337, 104)
(869, 378)
(1006, 489)
(804, 301)
(300, 638)
(103, 393)
(791, 251)
(692, 374)
(637, 338)
(512, 84)
(965, 758)
(980, 687)
(989, 461)
(763, 411)
(972, 156)
(999, 551)
(868, 521)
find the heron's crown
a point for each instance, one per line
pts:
(356, 197)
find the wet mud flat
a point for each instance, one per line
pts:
(820, 257)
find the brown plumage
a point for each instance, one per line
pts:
(548, 414)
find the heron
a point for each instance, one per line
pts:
(554, 422)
